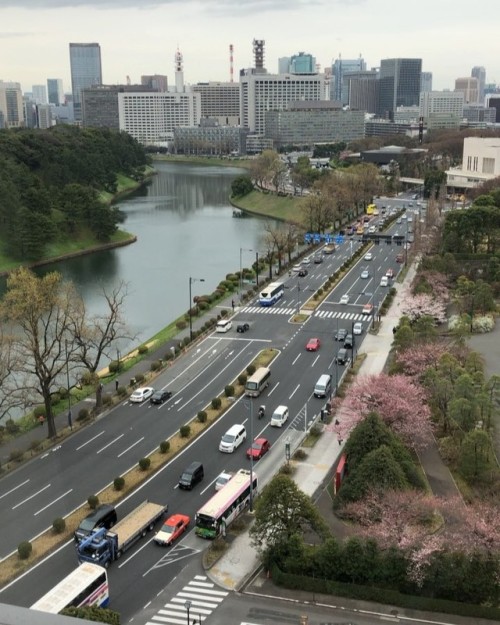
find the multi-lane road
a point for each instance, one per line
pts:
(53, 485)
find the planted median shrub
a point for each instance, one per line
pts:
(58, 525)
(24, 550)
(144, 464)
(242, 379)
(216, 403)
(93, 502)
(251, 369)
(139, 378)
(16, 455)
(229, 390)
(164, 447)
(202, 416)
(185, 431)
(122, 391)
(119, 483)
(155, 365)
(83, 414)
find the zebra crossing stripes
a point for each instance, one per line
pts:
(330, 314)
(322, 314)
(269, 310)
(203, 599)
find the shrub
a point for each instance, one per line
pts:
(88, 378)
(16, 455)
(143, 349)
(24, 549)
(286, 469)
(122, 391)
(114, 366)
(229, 390)
(203, 305)
(63, 392)
(107, 399)
(482, 324)
(223, 313)
(93, 502)
(164, 447)
(216, 403)
(35, 444)
(58, 525)
(155, 365)
(242, 379)
(316, 430)
(144, 464)
(186, 340)
(83, 414)
(181, 324)
(202, 416)
(39, 411)
(139, 378)
(251, 369)
(11, 427)
(299, 454)
(185, 431)
(119, 483)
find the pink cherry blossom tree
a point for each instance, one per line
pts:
(415, 360)
(416, 306)
(400, 403)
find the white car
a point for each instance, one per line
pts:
(296, 267)
(306, 260)
(344, 299)
(371, 229)
(369, 256)
(365, 274)
(141, 394)
(222, 480)
(357, 328)
(384, 281)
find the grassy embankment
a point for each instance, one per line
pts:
(283, 208)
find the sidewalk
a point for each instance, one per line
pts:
(241, 563)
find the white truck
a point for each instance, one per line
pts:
(104, 546)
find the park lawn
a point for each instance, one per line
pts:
(283, 208)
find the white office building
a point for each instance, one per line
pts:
(480, 163)
(442, 109)
(262, 92)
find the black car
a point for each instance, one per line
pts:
(158, 397)
(349, 341)
(318, 259)
(303, 273)
(242, 327)
(340, 334)
(342, 356)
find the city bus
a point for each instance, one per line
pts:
(86, 586)
(219, 512)
(257, 382)
(271, 293)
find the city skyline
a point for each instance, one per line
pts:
(35, 36)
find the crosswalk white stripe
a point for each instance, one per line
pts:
(182, 610)
(201, 584)
(202, 604)
(322, 313)
(200, 577)
(342, 315)
(193, 595)
(206, 591)
(174, 621)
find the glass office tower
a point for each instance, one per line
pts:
(399, 85)
(85, 60)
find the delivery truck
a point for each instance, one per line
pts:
(104, 546)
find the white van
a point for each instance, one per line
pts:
(224, 325)
(232, 439)
(323, 386)
(279, 416)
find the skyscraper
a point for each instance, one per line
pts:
(425, 82)
(399, 85)
(39, 94)
(11, 105)
(86, 71)
(340, 67)
(479, 73)
(55, 91)
(469, 86)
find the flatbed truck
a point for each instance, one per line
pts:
(104, 546)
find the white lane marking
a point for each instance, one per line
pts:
(131, 447)
(31, 497)
(110, 443)
(53, 502)
(15, 488)
(90, 440)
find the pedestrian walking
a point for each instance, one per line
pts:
(41, 419)
(116, 385)
(232, 304)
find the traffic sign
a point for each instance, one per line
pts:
(339, 239)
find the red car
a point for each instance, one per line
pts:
(367, 309)
(173, 527)
(260, 447)
(400, 258)
(390, 273)
(313, 345)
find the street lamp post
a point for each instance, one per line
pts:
(191, 280)
(187, 605)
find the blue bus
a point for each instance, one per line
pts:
(271, 293)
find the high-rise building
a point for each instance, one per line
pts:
(86, 71)
(100, 104)
(425, 81)
(39, 94)
(480, 73)
(221, 101)
(362, 90)
(469, 86)
(155, 82)
(11, 105)
(493, 101)
(441, 109)
(300, 63)
(340, 67)
(55, 91)
(399, 85)
(261, 92)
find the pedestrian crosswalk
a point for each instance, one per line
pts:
(199, 596)
(322, 314)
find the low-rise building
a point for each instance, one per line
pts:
(480, 163)
(210, 138)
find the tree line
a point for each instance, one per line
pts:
(50, 185)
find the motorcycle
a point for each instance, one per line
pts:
(262, 411)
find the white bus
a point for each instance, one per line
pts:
(257, 382)
(271, 293)
(228, 503)
(86, 586)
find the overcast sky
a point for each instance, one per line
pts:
(450, 36)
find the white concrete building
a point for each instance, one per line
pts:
(11, 105)
(480, 163)
(261, 92)
(442, 109)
